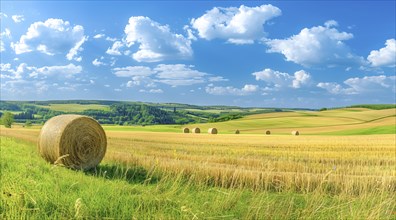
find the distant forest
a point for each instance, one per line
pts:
(123, 113)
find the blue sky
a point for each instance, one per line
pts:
(267, 54)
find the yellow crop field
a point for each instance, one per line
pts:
(345, 164)
(257, 175)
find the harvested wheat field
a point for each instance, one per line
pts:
(253, 175)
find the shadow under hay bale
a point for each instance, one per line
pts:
(134, 174)
(295, 133)
(186, 130)
(196, 130)
(74, 141)
(212, 131)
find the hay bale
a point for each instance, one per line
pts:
(296, 133)
(212, 130)
(186, 130)
(267, 132)
(237, 131)
(196, 130)
(76, 141)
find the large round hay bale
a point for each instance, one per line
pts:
(237, 131)
(196, 130)
(267, 132)
(76, 141)
(296, 133)
(212, 130)
(186, 130)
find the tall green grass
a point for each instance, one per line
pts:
(34, 189)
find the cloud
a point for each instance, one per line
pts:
(170, 74)
(24, 71)
(179, 75)
(98, 36)
(2, 46)
(6, 33)
(229, 90)
(335, 88)
(18, 18)
(141, 80)
(315, 46)
(66, 71)
(217, 79)
(96, 62)
(115, 49)
(241, 25)
(131, 71)
(111, 39)
(15, 74)
(301, 78)
(54, 36)
(385, 56)
(21, 87)
(152, 91)
(365, 85)
(280, 79)
(156, 42)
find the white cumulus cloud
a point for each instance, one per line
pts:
(364, 85)
(115, 49)
(280, 79)
(179, 75)
(17, 18)
(98, 36)
(131, 71)
(152, 91)
(241, 25)
(2, 46)
(97, 62)
(385, 56)
(230, 90)
(54, 36)
(315, 46)
(170, 74)
(156, 42)
(66, 70)
(6, 33)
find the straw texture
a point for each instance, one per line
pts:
(296, 133)
(196, 130)
(76, 141)
(212, 130)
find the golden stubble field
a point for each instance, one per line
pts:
(353, 165)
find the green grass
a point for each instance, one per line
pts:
(74, 107)
(34, 189)
(335, 122)
(152, 128)
(374, 106)
(386, 129)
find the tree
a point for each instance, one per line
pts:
(7, 119)
(28, 123)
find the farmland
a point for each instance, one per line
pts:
(74, 107)
(158, 172)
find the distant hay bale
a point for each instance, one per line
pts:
(237, 131)
(267, 132)
(186, 130)
(212, 130)
(196, 130)
(76, 141)
(296, 133)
